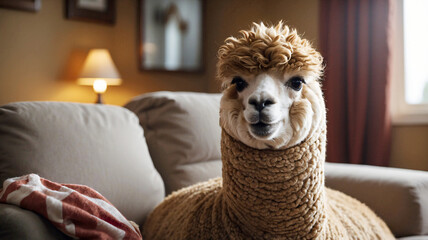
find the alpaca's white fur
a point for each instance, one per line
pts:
(267, 58)
(292, 116)
(265, 193)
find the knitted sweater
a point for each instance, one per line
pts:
(265, 194)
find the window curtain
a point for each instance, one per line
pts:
(354, 42)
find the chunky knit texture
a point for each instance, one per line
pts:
(266, 194)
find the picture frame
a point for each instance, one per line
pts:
(97, 11)
(25, 5)
(154, 47)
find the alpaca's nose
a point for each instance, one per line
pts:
(260, 105)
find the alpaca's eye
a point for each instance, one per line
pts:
(240, 83)
(296, 83)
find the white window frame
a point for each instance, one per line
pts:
(402, 113)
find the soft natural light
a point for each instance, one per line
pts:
(416, 51)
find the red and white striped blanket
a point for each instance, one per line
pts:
(76, 210)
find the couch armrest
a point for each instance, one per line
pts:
(18, 223)
(398, 196)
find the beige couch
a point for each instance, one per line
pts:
(104, 147)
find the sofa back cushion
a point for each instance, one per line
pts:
(100, 146)
(183, 135)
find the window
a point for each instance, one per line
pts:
(415, 26)
(410, 62)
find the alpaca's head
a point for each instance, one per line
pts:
(271, 92)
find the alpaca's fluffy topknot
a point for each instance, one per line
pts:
(270, 188)
(264, 48)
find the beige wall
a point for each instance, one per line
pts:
(409, 147)
(41, 53)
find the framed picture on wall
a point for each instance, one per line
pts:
(26, 5)
(98, 11)
(171, 35)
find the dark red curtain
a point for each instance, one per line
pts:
(354, 43)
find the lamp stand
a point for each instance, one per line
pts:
(99, 99)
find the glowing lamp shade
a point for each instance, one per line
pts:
(99, 72)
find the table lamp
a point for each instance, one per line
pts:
(99, 72)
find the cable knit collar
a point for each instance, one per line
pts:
(274, 193)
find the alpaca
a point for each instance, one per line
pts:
(273, 121)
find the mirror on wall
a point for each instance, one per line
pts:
(171, 35)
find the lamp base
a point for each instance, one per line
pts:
(99, 98)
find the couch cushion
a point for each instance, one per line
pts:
(100, 146)
(183, 135)
(17, 223)
(414, 238)
(398, 196)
